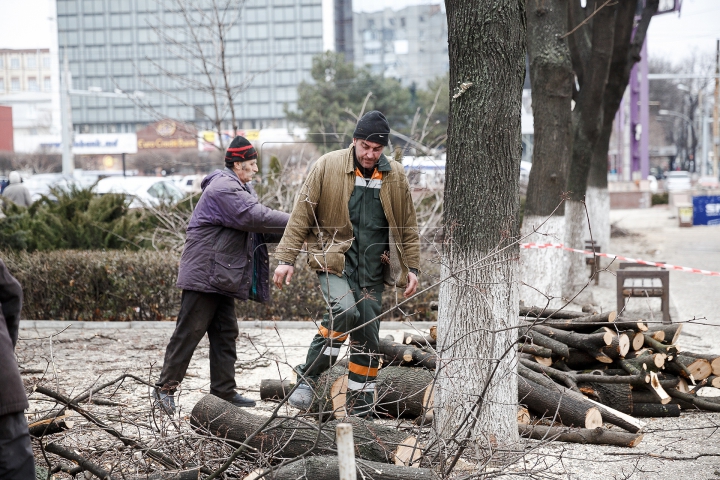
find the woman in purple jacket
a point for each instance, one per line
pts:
(224, 258)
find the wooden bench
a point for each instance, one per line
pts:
(649, 282)
(593, 260)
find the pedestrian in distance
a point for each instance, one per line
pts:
(225, 258)
(16, 455)
(356, 214)
(16, 192)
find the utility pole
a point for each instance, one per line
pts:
(68, 161)
(716, 125)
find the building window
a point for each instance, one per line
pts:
(422, 19)
(15, 84)
(46, 61)
(402, 22)
(47, 84)
(15, 63)
(33, 84)
(2, 84)
(31, 61)
(2, 62)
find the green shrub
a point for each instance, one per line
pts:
(659, 198)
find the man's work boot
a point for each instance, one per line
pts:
(302, 397)
(164, 400)
(239, 401)
(360, 404)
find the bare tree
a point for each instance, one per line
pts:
(200, 41)
(552, 77)
(478, 307)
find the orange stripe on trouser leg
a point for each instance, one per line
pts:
(361, 370)
(339, 336)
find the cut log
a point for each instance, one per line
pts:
(669, 350)
(670, 333)
(523, 416)
(580, 360)
(395, 352)
(538, 338)
(596, 436)
(591, 343)
(54, 422)
(433, 332)
(541, 312)
(421, 358)
(615, 395)
(698, 402)
(637, 339)
(418, 340)
(656, 387)
(402, 390)
(713, 359)
(713, 381)
(564, 378)
(535, 350)
(288, 437)
(699, 368)
(547, 403)
(272, 389)
(591, 309)
(655, 410)
(325, 467)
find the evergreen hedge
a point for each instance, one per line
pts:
(118, 285)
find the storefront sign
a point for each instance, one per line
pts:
(167, 135)
(706, 210)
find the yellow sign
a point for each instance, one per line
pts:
(163, 143)
(251, 135)
(108, 161)
(165, 128)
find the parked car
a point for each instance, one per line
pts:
(190, 184)
(144, 191)
(677, 181)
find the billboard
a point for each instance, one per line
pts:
(706, 210)
(167, 136)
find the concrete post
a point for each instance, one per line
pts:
(346, 451)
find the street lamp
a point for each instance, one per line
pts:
(671, 113)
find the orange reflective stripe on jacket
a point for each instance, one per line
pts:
(361, 370)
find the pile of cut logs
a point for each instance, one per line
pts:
(585, 369)
(583, 377)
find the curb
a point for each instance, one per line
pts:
(243, 325)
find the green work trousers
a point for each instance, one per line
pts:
(349, 307)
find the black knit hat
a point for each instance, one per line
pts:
(240, 150)
(373, 127)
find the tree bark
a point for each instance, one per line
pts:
(655, 410)
(290, 437)
(541, 271)
(401, 391)
(477, 386)
(325, 467)
(596, 436)
(713, 359)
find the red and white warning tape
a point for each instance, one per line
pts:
(619, 257)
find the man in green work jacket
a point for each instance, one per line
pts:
(356, 214)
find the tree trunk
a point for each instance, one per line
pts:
(478, 308)
(655, 410)
(541, 270)
(289, 437)
(625, 55)
(591, 50)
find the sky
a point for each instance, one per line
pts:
(24, 24)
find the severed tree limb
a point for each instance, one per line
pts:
(160, 457)
(698, 402)
(596, 436)
(85, 464)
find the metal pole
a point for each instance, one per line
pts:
(716, 125)
(644, 114)
(68, 162)
(346, 451)
(123, 160)
(705, 132)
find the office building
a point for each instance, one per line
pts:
(409, 44)
(26, 85)
(115, 45)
